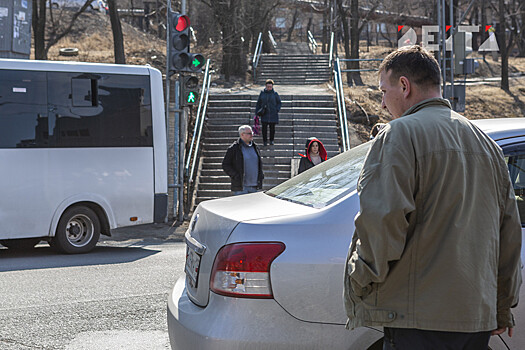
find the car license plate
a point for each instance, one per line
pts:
(193, 261)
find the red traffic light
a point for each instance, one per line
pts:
(182, 23)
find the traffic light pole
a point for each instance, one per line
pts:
(180, 60)
(178, 191)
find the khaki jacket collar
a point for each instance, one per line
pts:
(435, 101)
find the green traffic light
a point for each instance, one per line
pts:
(196, 62)
(191, 97)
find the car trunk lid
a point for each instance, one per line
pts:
(210, 227)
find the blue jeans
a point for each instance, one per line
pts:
(245, 189)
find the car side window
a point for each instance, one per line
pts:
(516, 164)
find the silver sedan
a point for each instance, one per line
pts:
(265, 270)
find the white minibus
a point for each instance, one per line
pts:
(82, 151)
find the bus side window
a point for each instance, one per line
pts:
(99, 110)
(23, 109)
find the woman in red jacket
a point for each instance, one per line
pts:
(315, 154)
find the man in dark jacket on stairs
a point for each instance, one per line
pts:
(243, 164)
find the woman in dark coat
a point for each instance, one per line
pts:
(268, 107)
(315, 154)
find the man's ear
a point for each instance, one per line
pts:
(405, 85)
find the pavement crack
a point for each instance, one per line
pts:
(19, 343)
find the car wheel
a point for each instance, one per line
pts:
(20, 244)
(78, 231)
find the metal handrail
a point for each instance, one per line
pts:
(331, 49)
(341, 106)
(312, 44)
(272, 39)
(199, 122)
(257, 55)
(205, 107)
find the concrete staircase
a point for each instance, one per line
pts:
(293, 64)
(292, 48)
(300, 117)
(294, 69)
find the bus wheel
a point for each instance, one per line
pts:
(78, 231)
(20, 244)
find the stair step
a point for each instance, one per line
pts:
(284, 167)
(215, 97)
(329, 125)
(225, 186)
(219, 173)
(284, 110)
(233, 123)
(265, 160)
(287, 104)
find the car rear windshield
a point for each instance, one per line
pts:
(326, 182)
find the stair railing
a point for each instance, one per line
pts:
(341, 106)
(331, 50)
(312, 44)
(272, 40)
(256, 56)
(192, 157)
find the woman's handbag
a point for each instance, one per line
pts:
(256, 125)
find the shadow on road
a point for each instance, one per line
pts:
(47, 258)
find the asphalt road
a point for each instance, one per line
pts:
(112, 298)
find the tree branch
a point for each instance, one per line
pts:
(55, 39)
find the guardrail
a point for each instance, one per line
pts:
(274, 44)
(256, 56)
(312, 44)
(341, 106)
(192, 157)
(331, 50)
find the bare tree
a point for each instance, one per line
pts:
(239, 20)
(506, 12)
(521, 41)
(116, 28)
(292, 26)
(325, 26)
(59, 27)
(351, 35)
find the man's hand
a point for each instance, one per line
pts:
(502, 330)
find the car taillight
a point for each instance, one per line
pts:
(243, 269)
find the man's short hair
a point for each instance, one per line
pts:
(415, 63)
(269, 81)
(243, 128)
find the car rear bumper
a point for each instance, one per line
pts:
(237, 323)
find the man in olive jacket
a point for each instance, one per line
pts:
(435, 256)
(243, 163)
